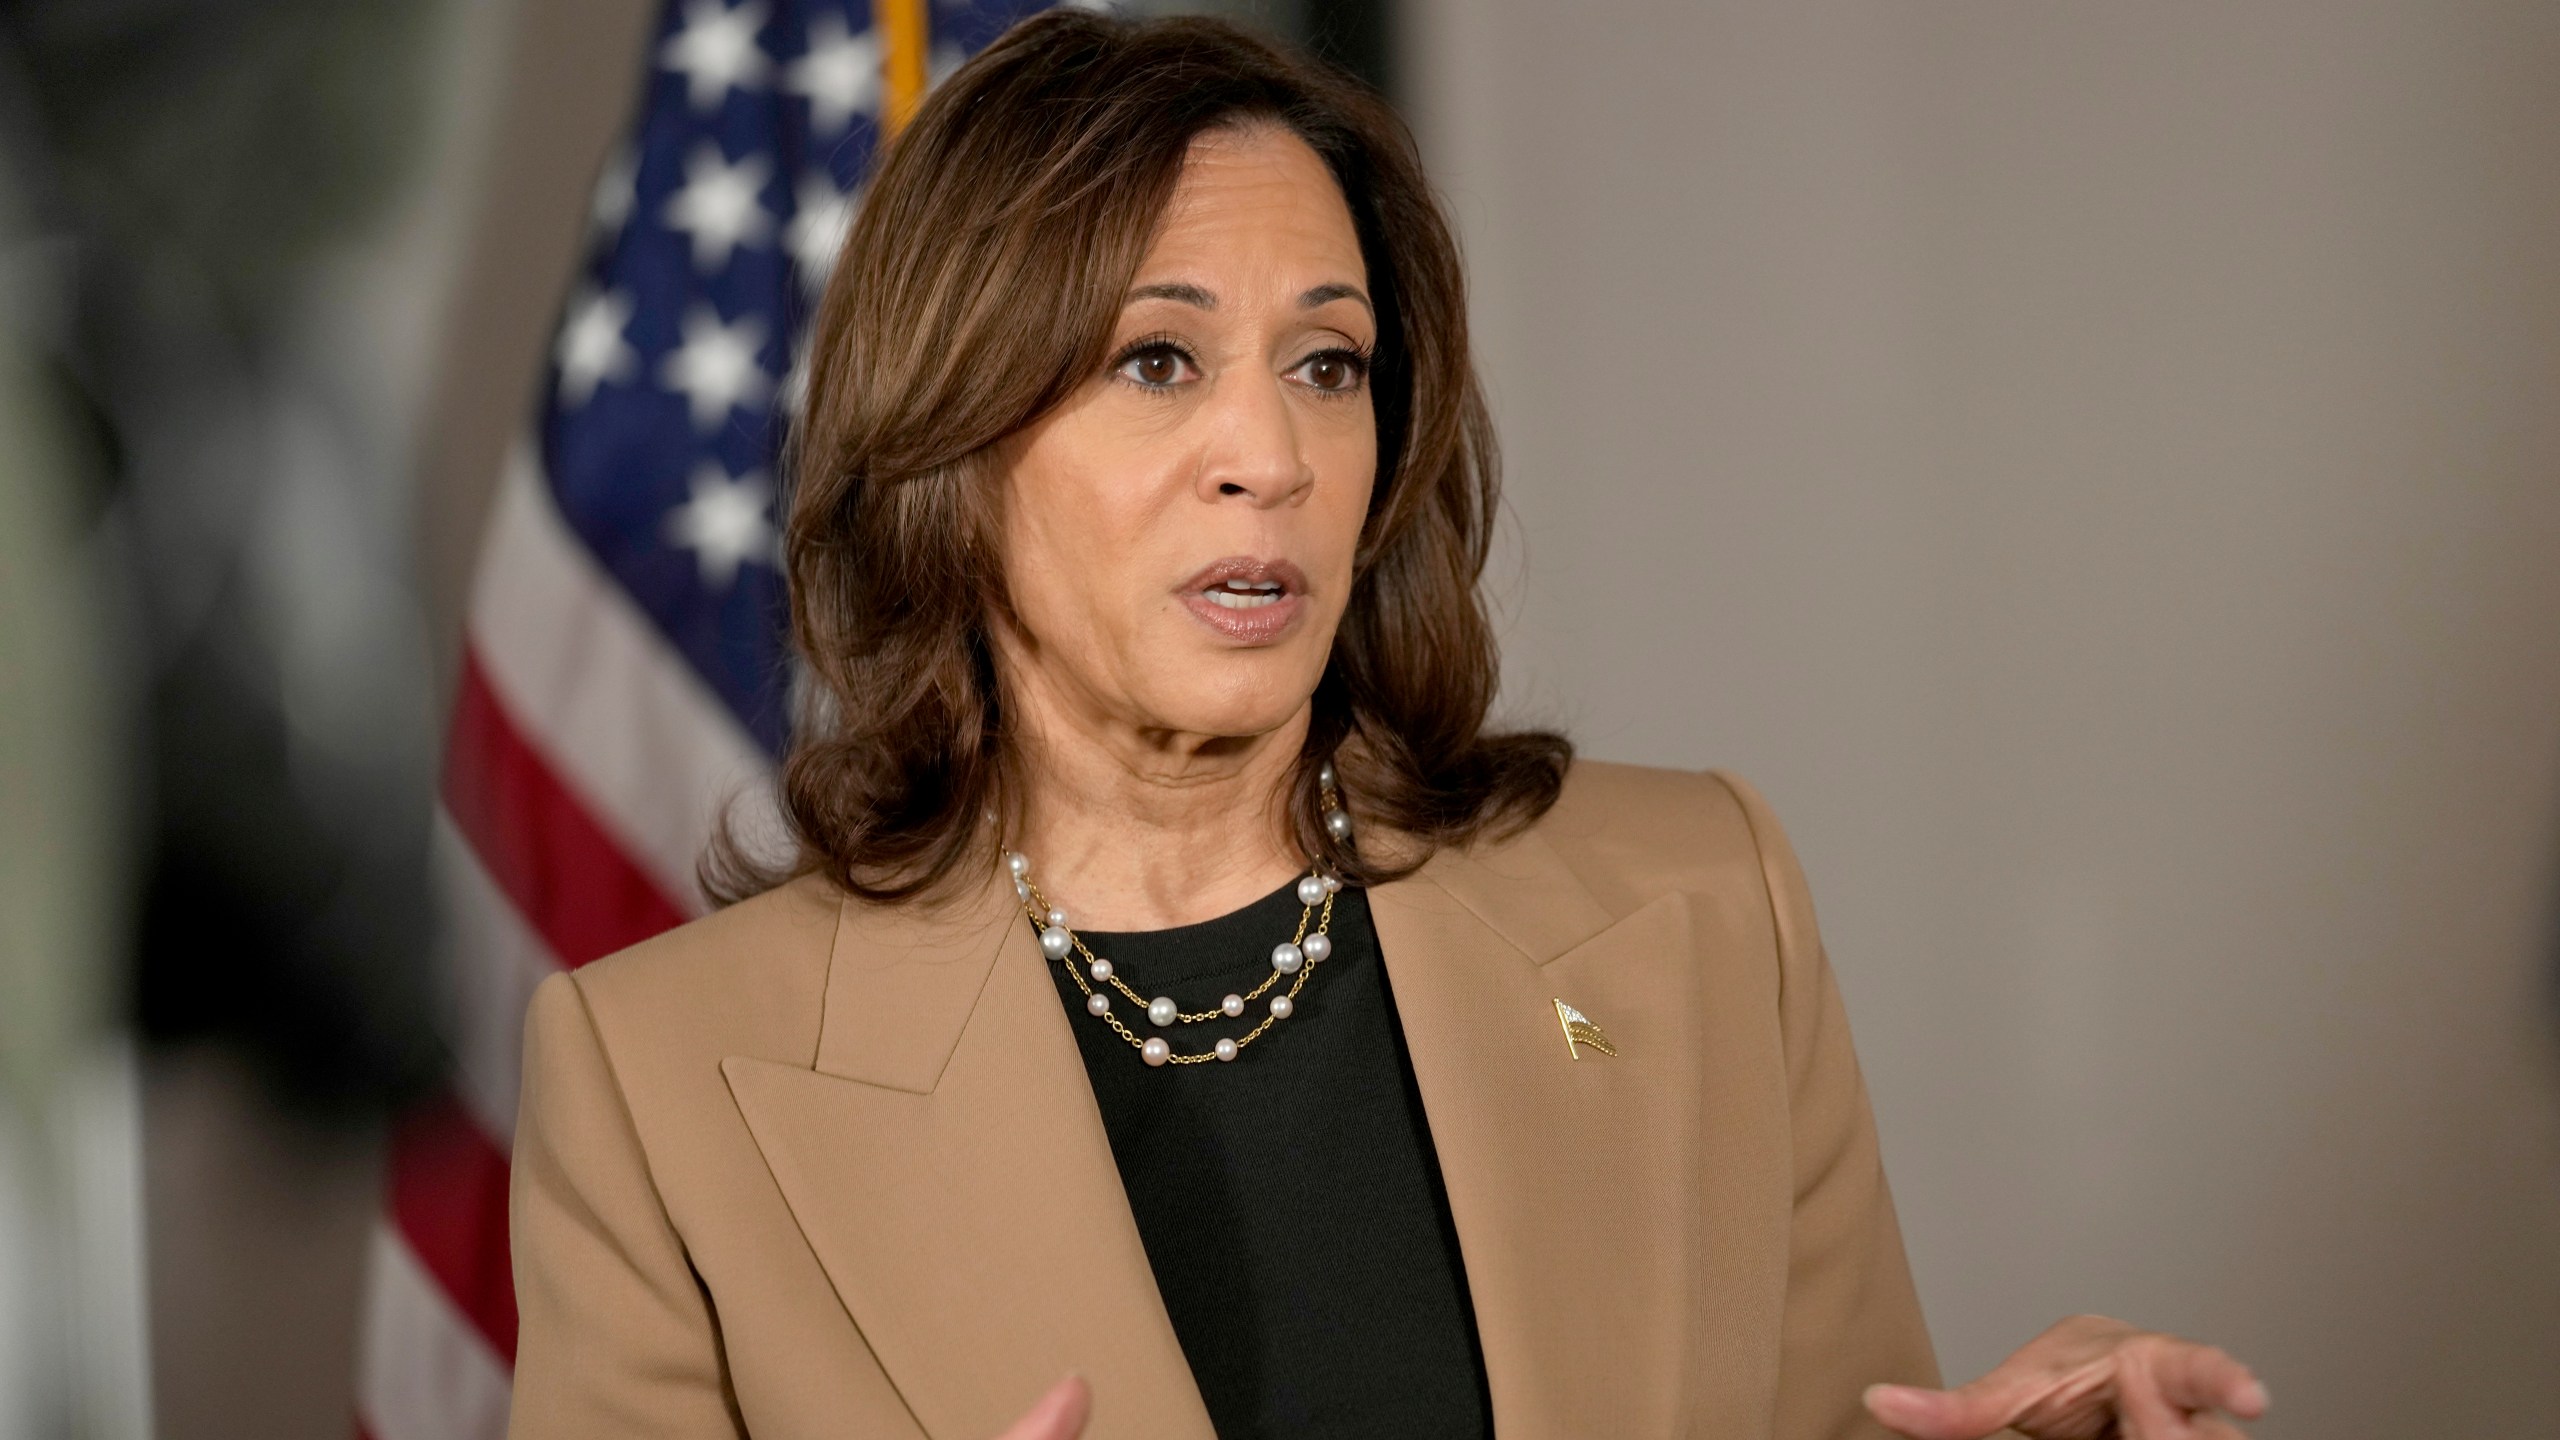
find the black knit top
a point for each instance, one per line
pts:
(1289, 1199)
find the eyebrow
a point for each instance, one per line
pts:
(1201, 299)
(1185, 294)
(1327, 294)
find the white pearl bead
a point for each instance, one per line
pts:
(1337, 824)
(1018, 863)
(1055, 942)
(1319, 947)
(1332, 885)
(1311, 890)
(1287, 958)
(1022, 891)
(1233, 1005)
(1281, 1005)
(1162, 1011)
(1155, 1052)
(1226, 1049)
(1097, 1004)
(1324, 775)
(1100, 969)
(1058, 918)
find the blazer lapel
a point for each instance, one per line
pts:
(945, 1160)
(1575, 1184)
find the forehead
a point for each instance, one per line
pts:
(1256, 193)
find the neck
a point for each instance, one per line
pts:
(1133, 829)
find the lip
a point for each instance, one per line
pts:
(1261, 625)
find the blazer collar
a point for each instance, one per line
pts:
(903, 982)
(1520, 889)
(1574, 1184)
(945, 1159)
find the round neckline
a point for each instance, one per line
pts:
(1237, 943)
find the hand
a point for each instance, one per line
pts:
(1057, 1415)
(2088, 1378)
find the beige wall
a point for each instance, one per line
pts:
(2098, 468)
(571, 71)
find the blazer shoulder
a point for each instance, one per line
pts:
(1632, 833)
(747, 979)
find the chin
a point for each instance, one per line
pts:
(1258, 705)
(1241, 722)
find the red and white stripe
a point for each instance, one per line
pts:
(585, 771)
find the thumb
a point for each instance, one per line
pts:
(1057, 1415)
(1975, 1411)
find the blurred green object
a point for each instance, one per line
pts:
(193, 167)
(59, 809)
(70, 1312)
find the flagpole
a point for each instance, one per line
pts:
(904, 43)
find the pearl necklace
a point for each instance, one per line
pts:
(1293, 959)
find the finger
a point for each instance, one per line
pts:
(2062, 1374)
(1923, 1414)
(2180, 1427)
(1057, 1415)
(2055, 1388)
(2200, 1377)
(2145, 1415)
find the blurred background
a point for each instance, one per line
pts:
(2097, 468)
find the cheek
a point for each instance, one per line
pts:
(1351, 457)
(1074, 519)
(1057, 597)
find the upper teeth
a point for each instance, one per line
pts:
(1244, 594)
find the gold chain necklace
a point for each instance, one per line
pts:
(1294, 959)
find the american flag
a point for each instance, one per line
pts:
(625, 669)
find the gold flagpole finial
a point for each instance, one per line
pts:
(905, 43)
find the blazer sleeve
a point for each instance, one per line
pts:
(616, 1333)
(1852, 1314)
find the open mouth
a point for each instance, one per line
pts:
(1245, 594)
(1250, 600)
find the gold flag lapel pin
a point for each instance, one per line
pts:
(1580, 1032)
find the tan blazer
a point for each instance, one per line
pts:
(811, 1167)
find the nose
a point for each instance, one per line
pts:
(1253, 451)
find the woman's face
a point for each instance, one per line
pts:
(1179, 534)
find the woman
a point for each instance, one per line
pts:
(1179, 988)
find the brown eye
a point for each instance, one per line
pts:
(1333, 372)
(1158, 366)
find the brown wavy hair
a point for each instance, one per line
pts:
(978, 290)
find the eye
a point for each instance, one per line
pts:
(1155, 365)
(1334, 372)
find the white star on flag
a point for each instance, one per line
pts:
(616, 186)
(817, 229)
(716, 51)
(718, 205)
(716, 365)
(839, 76)
(591, 349)
(724, 524)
